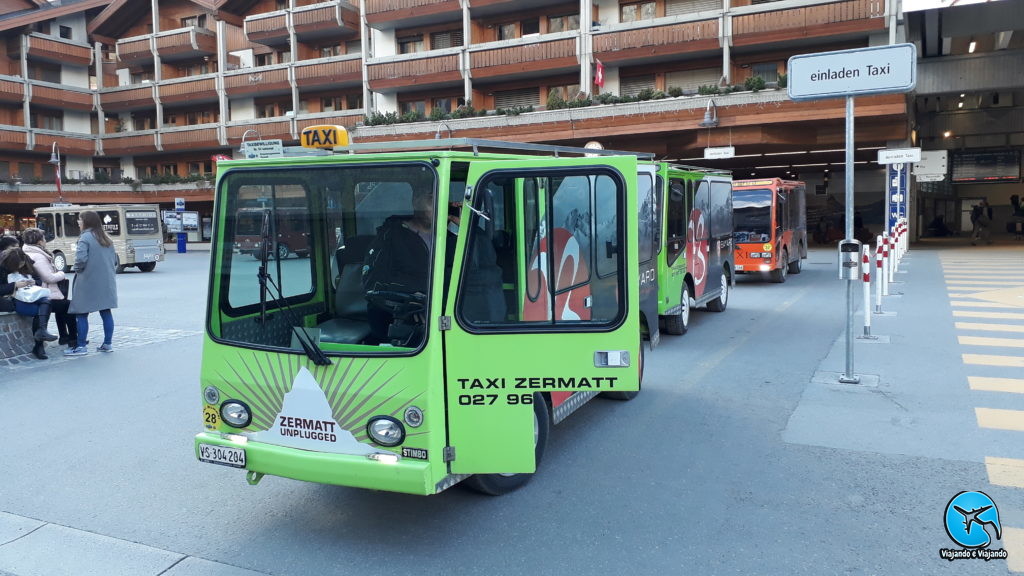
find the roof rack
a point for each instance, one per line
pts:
(476, 144)
(721, 171)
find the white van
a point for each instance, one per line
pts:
(135, 229)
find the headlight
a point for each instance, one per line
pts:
(236, 413)
(413, 416)
(386, 431)
(755, 254)
(211, 395)
(765, 267)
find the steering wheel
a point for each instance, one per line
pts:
(399, 304)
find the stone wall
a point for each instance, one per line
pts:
(16, 340)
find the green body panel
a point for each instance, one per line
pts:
(671, 277)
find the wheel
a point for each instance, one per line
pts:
(720, 302)
(779, 274)
(282, 251)
(627, 396)
(147, 266)
(679, 323)
(796, 266)
(60, 262)
(498, 484)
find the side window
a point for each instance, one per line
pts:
(45, 223)
(721, 209)
(677, 216)
(645, 193)
(71, 229)
(111, 222)
(568, 266)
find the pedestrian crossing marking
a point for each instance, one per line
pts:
(1005, 471)
(976, 282)
(968, 304)
(988, 327)
(1009, 296)
(993, 360)
(1000, 419)
(987, 341)
(1013, 543)
(988, 315)
(1013, 385)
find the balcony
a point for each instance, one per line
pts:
(401, 13)
(65, 97)
(129, 143)
(12, 91)
(194, 90)
(269, 28)
(266, 128)
(13, 138)
(127, 98)
(190, 137)
(620, 46)
(346, 118)
(135, 50)
(186, 43)
(414, 71)
(58, 50)
(325, 21)
(262, 81)
(546, 55)
(756, 25)
(79, 145)
(333, 73)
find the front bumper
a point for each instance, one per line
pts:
(406, 475)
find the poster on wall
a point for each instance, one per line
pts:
(897, 193)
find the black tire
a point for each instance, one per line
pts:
(627, 396)
(779, 274)
(498, 484)
(282, 251)
(60, 262)
(722, 300)
(147, 266)
(796, 266)
(678, 324)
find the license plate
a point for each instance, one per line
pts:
(224, 455)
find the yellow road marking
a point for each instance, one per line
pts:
(988, 327)
(1005, 471)
(1013, 543)
(991, 315)
(971, 304)
(975, 282)
(1000, 419)
(1014, 385)
(992, 360)
(985, 341)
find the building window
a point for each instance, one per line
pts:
(170, 120)
(169, 169)
(769, 71)
(65, 32)
(531, 26)
(281, 5)
(194, 21)
(507, 31)
(330, 51)
(353, 47)
(46, 121)
(263, 59)
(563, 23)
(195, 169)
(266, 110)
(410, 44)
(354, 101)
(140, 77)
(41, 27)
(194, 69)
(418, 106)
(567, 92)
(449, 39)
(284, 56)
(442, 103)
(637, 11)
(330, 104)
(5, 169)
(45, 72)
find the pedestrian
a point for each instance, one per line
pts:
(55, 281)
(28, 299)
(95, 286)
(8, 241)
(981, 216)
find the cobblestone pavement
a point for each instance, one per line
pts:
(125, 337)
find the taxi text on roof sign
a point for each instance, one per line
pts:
(324, 136)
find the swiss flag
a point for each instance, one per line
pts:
(219, 157)
(599, 74)
(56, 170)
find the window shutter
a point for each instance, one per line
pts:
(513, 98)
(678, 7)
(636, 84)
(693, 79)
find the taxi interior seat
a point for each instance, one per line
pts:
(349, 324)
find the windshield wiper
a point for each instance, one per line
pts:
(266, 282)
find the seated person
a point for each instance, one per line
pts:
(483, 300)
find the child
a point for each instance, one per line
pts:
(16, 269)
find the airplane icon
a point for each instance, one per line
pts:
(971, 517)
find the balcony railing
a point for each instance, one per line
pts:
(347, 118)
(325, 20)
(190, 137)
(414, 72)
(135, 50)
(117, 99)
(266, 128)
(329, 73)
(270, 28)
(185, 43)
(253, 81)
(188, 90)
(821, 20)
(129, 143)
(387, 10)
(58, 50)
(678, 38)
(84, 145)
(535, 55)
(13, 138)
(12, 91)
(61, 97)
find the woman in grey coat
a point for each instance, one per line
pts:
(95, 287)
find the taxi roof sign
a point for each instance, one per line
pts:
(324, 136)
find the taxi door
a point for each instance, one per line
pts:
(543, 298)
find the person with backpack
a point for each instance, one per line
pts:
(981, 217)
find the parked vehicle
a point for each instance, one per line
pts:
(289, 229)
(135, 229)
(771, 227)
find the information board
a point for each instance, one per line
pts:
(986, 166)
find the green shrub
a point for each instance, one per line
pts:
(708, 89)
(754, 83)
(606, 98)
(411, 116)
(380, 119)
(514, 111)
(437, 113)
(675, 91)
(555, 101)
(645, 94)
(782, 80)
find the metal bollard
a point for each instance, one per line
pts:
(865, 267)
(878, 275)
(885, 264)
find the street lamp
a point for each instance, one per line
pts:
(55, 160)
(241, 146)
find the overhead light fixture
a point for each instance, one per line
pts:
(825, 151)
(808, 165)
(947, 134)
(871, 148)
(768, 167)
(963, 95)
(971, 47)
(785, 153)
(710, 115)
(960, 105)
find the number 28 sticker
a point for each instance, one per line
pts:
(210, 418)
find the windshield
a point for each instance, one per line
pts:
(140, 222)
(347, 252)
(752, 215)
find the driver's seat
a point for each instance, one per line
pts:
(350, 324)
